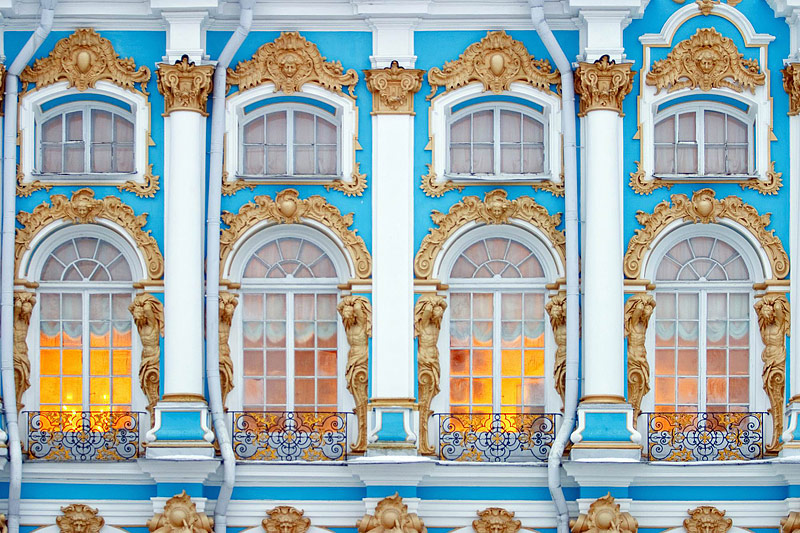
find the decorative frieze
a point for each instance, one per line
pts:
(79, 518)
(603, 85)
(356, 313)
(391, 516)
(707, 519)
(285, 519)
(180, 516)
(428, 313)
(227, 305)
(556, 308)
(23, 307)
(638, 310)
(604, 516)
(185, 86)
(393, 89)
(774, 318)
(148, 315)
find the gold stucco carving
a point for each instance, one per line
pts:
(703, 208)
(496, 208)
(285, 519)
(180, 516)
(428, 313)
(83, 59)
(790, 524)
(496, 520)
(23, 307)
(496, 61)
(84, 208)
(356, 313)
(705, 61)
(3, 524)
(185, 86)
(391, 516)
(436, 189)
(287, 208)
(604, 516)
(2, 90)
(354, 187)
(148, 315)
(556, 308)
(393, 89)
(707, 519)
(773, 322)
(290, 61)
(79, 518)
(791, 84)
(638, 310)
(146, 189)
(227, 305)
(603, 85)
(26, 189)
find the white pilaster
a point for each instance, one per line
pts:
(393, 40)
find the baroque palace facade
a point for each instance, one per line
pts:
(471, 265)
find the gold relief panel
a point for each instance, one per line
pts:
(23, 307)
(79, 518)
(356, 313)
(185, 86)
(707, 519)
(180, 516)
(393, 89)
(774, 317)
(428, 313)
(791, 84)
(148, 315)
(604, 516)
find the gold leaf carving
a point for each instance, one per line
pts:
(148, 315)
(604, 516)
(79, 518)
(290, 61)
(185, 86)
(3, 524)
(287, 208)
(393, 89)
(707, 519)
(148, 189)
(790, 524)
(496, 208)
(180, 516)
(2, 94)
(556, 308)
(603, 85)
(703, 208)
(496, 520)
(791, 84)
(83, 59)
(227, 305)
(356, 185)
(428, 313)
(769, 187)
(707, 60)
(774, 319)
(640, 185)
(705, 6)
(286, 519)
(638, 310)
(26, 189)
(356, 313)
(83, 208)
(436, 189)
(391, 516)
(23, 306)
(496, 61)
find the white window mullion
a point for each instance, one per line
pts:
(496, 353)
(85, 295)
(496, 140)
(701, 351)
(290, 351)
(289, 142)
(87, 144)
(700, 138)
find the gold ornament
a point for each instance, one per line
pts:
(705, 6)
(83, 59)
(496, 61)
(790, 524)
(604, 516)
(707, 60)
(641, 185)
(286, 519)
(603, 85)
(3, 524)
(227, 305)
(791, 84)
(180, 516)
(356, 313)
(770, 187)
(287, 208)
(774, 318)
(2, 96)
(393, 89)
(391, 516)
(707, 519)
(148, 189)
(354, 187)
(185, 86)
(79, 518)
(496, 208)
(148, 315)
(428, 313)
(290, 61)
(23, 307)
(638, 310)
(703, 208)
(496, 520)
(556, 309)
(83, 208)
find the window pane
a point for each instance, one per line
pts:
(73, 157)
(687, 159)
(276, 128)
(326, 132)
(253, 131)
(532, 130)
(665, 130)
(511, 159)
(51, 130)
(714, 127)
(101, 126)
(483, 126)
(460, 130)
(75, 126)
(510, 126)
(123, 129)
(482, 159)
(686, 127)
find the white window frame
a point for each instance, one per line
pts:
(31, 117)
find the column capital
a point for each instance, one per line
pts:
(393, 89)
(185, 86)
(603, 85)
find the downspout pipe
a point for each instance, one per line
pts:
(571, 230)
(7, 258)
(212, 264)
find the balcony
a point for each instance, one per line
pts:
(682, 437)
(82, 436)
(495, 437)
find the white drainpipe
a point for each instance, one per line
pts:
(7, 259)
(212, 264)
(571, 229)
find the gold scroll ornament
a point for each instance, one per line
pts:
(707, 519)
(638, 310)
(356, 313)
(79, 518)
(391, 516)
(148, 315)
(773, 322)
(285, 519)
(227, 305)
(180, 516)
(603, 85)
(23, 307)
(185, 86)
(604, 516)
(556, 308)
(428, 313)
(393, 89)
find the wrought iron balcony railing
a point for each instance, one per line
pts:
(496, 437)
(705, 436)
(290, 436)
(83, 435)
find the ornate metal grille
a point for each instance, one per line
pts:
(705, 436)
(83, 435)
(495, 437)
(290, 436)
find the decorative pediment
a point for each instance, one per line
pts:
(496, 61)
(705, 61)
(707, 519)
(83, 59)
(290, 61)
(79, 518)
